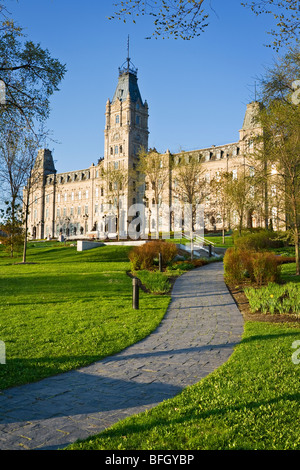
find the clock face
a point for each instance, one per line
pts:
(116, 136)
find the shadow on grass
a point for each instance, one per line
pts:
(160, 420)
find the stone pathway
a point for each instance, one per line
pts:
(197, 335)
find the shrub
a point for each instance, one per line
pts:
(143, 256)
(265, 268)
(234, 269)
(259, 267)
(259, 240)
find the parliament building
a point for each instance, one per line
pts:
(81, 203)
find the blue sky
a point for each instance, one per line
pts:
(197, 91)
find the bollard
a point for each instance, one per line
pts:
(135, 293)
(209, 250)
(160, 261)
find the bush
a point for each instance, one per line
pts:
(143, 256)
(234, 268)
(260, 240)
(265, 268)
(259, 267)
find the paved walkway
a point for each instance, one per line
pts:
(197, 335)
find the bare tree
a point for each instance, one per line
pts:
(220, 201)
(188, 19)
(153, 169)
(189, 187)
(287, 18)
(116, 187)
(18, 151)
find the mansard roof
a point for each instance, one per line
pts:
(127, 85)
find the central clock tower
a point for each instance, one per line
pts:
(126, 133)
(126, 126)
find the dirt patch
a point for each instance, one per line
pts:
(241, 301)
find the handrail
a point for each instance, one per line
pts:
(199, 238)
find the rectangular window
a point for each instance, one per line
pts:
(72, 196)
(78, 210)
(66, 197)
(58, 212)
(79, 195)
(86, 209)
(87, 194)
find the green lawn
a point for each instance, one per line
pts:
(251, 402)
(68, 310)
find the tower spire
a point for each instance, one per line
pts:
(128, 57)
(127, 66)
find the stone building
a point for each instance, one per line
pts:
(82, 203)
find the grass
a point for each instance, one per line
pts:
(155, 281)
(68, 309)
(288, 273)
(250, 403)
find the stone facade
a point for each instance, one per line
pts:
(81, 204)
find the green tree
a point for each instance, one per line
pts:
(28, 76)
(239, 193)
(282, 122)
(11, 228)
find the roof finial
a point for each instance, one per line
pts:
(128, 58)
